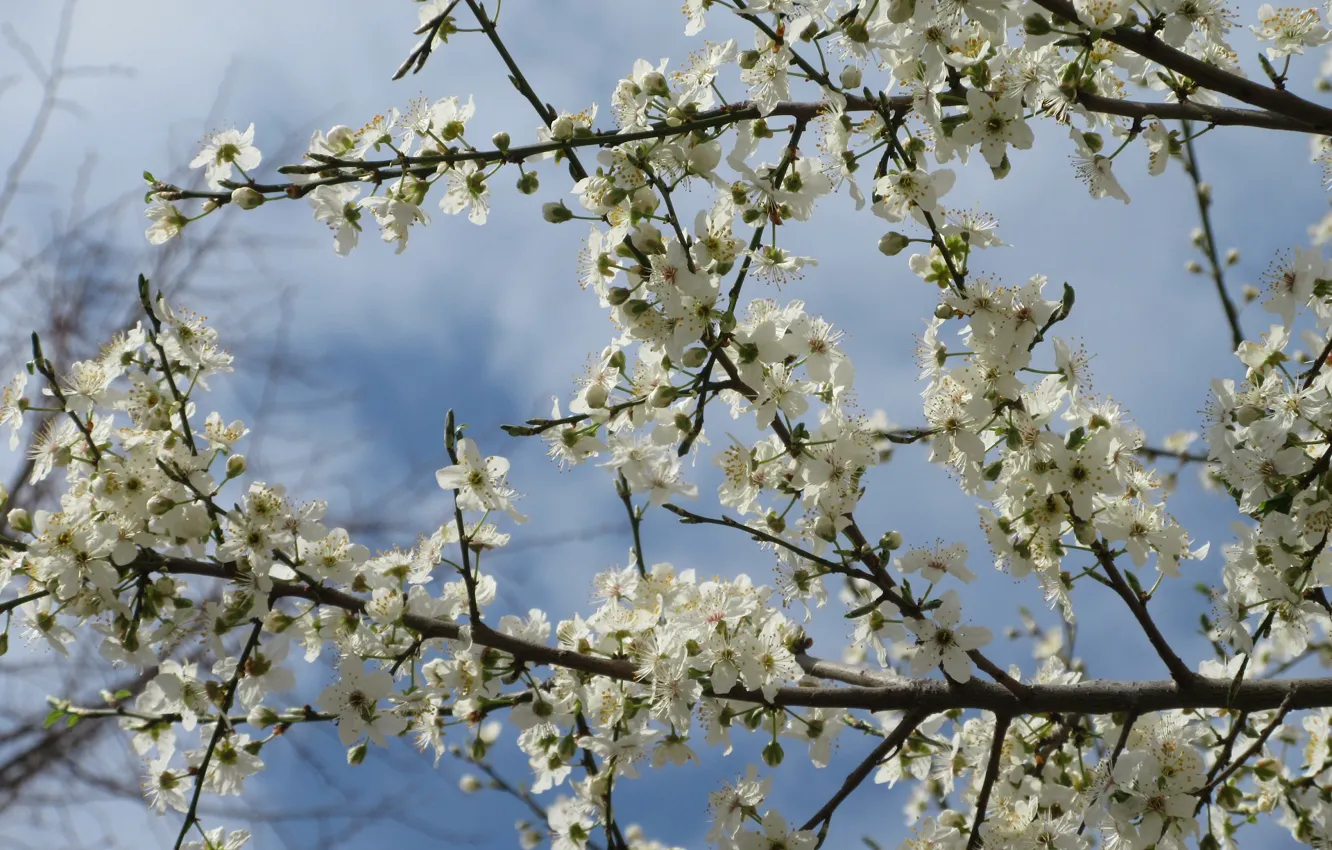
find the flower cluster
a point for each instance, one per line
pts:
(670, 661)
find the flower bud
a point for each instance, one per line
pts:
(1250, 293)
(850, 77)
(683, 424)
(893, 243)
(596, 396)
(20, 520)
(261, 716)
(1232, 256)
(452, 130)
(500, 140)
(857, 32)
(528, 183)
(748, 59)
(891, 541)
(1193, 267)
(1197, 237)
(469, 784)
(159, 505)
(943, 311)
(618, 295)
(1085, 532)
(663, 396)
(356, 754)
(692, 359)
(900, 11)
(566, 748)
(825, 530)
(654, 83)
(775, 522)
(209, 205)
(556, 212)
(562, 128)
(772, 754)
(236, 465)
(246, 198)
(1205, 193)
(1036, 25)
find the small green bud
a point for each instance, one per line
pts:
(694, 357)
(262, 717)
(824, 529)
(236, 465)
(654, 83)
(1036, 25)
(1093, 141)
(596, 396)
(556, 212)
(159, 505)
(356, 754)
(618, 295)
(893, 243)
(748, 59)
(857, 32)
(663, 396)
(528, 183)
(246, 198)
(562, 128)
(20, 520)
(773, 754)
(891, 541)
(501, 140)
(566, 749)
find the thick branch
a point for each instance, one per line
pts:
(868, 690)
(1313, 116)
(1229, 116)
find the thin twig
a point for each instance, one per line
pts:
(1001, 722)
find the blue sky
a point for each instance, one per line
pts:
(490, 321)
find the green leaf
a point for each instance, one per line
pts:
(55, 715)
